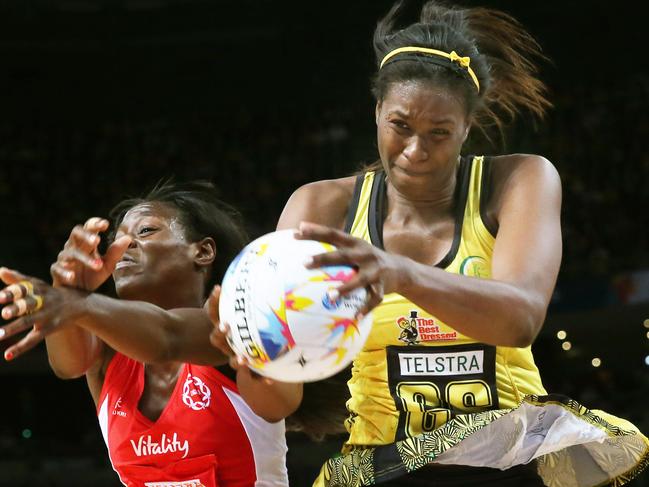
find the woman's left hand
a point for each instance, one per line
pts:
(35, 306)
(378, 272)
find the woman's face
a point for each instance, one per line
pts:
(160, 261)
(420, 132)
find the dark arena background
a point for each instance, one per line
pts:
(99, 99)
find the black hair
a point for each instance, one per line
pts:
(502, 55)
(202, 214)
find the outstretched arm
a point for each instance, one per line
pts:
(140, 330)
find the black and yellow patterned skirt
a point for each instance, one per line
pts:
(572, 446)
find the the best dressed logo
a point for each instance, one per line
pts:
(415, 329)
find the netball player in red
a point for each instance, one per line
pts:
(167, 414)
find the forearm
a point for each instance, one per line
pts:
(272, 402)
(72, 351)
(148, 333)
(488, 310)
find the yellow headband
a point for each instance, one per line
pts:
(453, 56)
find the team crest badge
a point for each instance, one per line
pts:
(196, 394)
(475, 266)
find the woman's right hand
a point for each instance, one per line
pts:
(79, 264)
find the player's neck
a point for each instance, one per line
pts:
(167, 371)
(432, 206)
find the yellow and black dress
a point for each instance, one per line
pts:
(422, 393)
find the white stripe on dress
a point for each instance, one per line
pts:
(268, 443)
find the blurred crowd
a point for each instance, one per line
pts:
(596, 136)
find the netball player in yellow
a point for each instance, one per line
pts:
(460, 254)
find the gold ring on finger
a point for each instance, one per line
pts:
(29, 287)
(38, 302)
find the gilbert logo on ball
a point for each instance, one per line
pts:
(280, 315)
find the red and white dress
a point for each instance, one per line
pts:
(206, 435)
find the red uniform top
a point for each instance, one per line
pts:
(206, 435)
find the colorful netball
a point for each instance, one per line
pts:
(281, 316)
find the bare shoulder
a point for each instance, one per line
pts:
(324, 202)
(510, 166)
(513, 170)
(521, 173)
